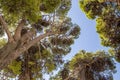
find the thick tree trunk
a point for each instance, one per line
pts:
(11, 51)
(5, 51)
(82, 74)
(26, 72)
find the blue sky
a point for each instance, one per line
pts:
(89, 40)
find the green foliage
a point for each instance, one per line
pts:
(61, 50)
(2, 42)
(31, 63)
(91, 8)
(107, 21)
(90, 15)
(107, 32)
(67, 32)
(101, 1)
(61, 41)
(14, 10)
(49, 6)
(88, 65)
(47, 54)
(111, 51)
(75, 31)
(117, 57)
(50, 66)
(117, 54)
(63, 8)
(28, 9)
(40, 25)
(15, 67)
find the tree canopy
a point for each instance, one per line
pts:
(88, 66)
(107, 16)
(37, 34)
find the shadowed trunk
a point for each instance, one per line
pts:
(82, 74)
(26, 74)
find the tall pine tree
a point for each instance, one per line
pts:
(38, 33)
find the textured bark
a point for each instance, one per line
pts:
(4, 24)
(13, 50)
(26, 74)
(82, 74)
(17, 35)
(5, 51)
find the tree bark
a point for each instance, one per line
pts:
(11, 53)
(26, 74)
(4, 24)
(17, 35)
(82, 74)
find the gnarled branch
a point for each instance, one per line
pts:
(20, 50)
(17, 34)
(4, 24)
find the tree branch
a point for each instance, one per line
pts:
(4, 24)
(20, 50)
(17, 34)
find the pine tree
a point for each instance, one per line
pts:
(88, 66)
(106, 13)
(39, 34)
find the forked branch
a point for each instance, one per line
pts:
(20, 50)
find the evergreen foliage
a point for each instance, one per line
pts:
(107, 15)
(88, 66)
(41, 17)
(39, 35)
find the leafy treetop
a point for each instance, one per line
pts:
(39, 35)
(107, 15)
(88, 66)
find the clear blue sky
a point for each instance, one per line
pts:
(89, 39)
